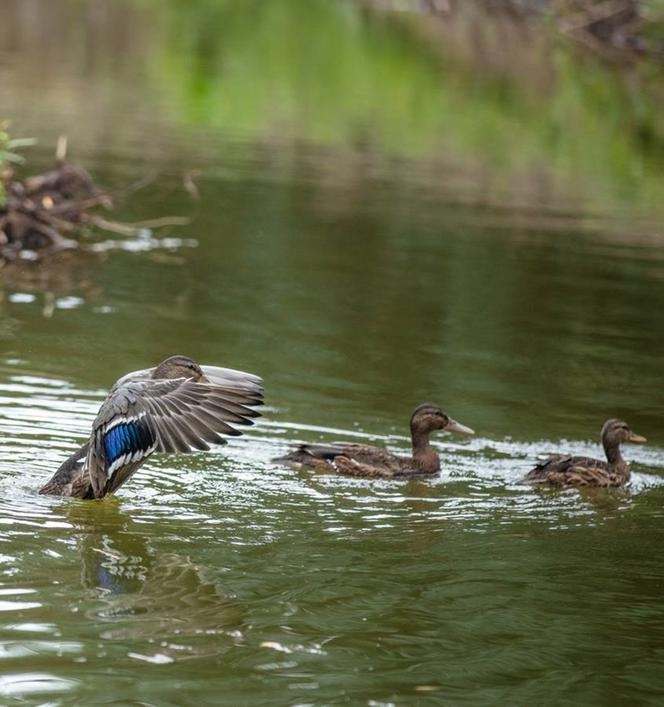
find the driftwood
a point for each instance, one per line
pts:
(41, 213)
(40, 210)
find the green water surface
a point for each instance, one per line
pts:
(380, 223)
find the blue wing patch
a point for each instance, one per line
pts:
(126, 438)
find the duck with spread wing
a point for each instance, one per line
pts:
(178, 406)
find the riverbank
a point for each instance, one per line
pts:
(619, 29)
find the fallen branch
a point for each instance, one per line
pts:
(133, 229)
(39, 209)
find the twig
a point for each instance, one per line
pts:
(61, 149)
(133, 229)
(161, 222)
(135, 186)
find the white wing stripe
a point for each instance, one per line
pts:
(129, 459)
(122, 421)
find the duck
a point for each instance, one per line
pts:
(364, 460)
(175, 407)
(564, 471)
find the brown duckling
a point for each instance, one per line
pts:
(565, 471)
(366, 460)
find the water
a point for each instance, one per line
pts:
(361, 267)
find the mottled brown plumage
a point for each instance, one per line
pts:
(565, 471)
(366, 460)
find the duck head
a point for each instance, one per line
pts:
(427, 418)
(615, 432)
(179, 367)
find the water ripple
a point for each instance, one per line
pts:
(44, 418)
(92, 582)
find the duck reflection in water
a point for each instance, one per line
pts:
(144, 594)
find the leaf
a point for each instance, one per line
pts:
(21, 142)
(12, 157)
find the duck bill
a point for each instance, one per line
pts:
(454, 426)
(637, 439)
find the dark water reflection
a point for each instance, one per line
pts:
(359, 279)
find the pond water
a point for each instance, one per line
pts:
(364, 248)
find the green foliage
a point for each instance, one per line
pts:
(325, 73)
(9, 156)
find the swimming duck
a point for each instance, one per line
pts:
(366, 460)
(174, 407)
(565, 471)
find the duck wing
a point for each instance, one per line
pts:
(565, 470)
(345, 457)
(367, 457)
(353, 459)
(248, 384)
(140, 417)
(376, 468)
(314, 456)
